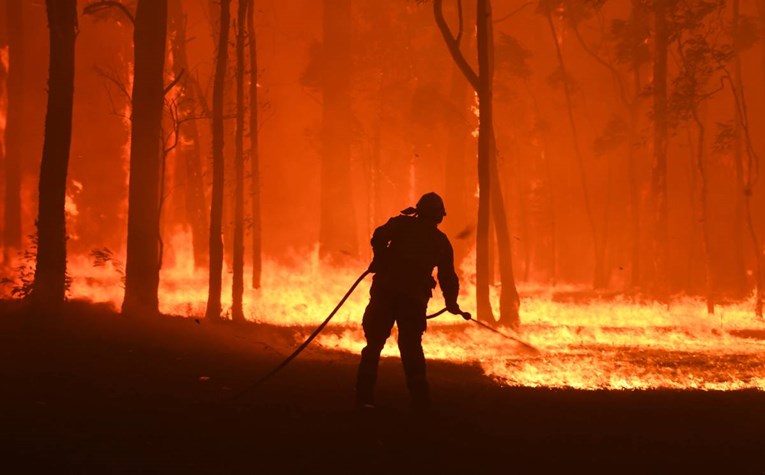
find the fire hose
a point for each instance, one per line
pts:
(319, 329)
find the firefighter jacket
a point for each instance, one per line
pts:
(406, 250)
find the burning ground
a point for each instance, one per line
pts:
(616, 383)
(585, 340)
(89, 391)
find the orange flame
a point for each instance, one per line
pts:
(596, 345)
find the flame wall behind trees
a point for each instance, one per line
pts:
(405, 117)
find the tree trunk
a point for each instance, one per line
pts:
(703, 213)
(634, 188)
(50, 272)
(375, 162)
(216, 208)
(692, 258)
(14, 146)
(659, 172)
(190, 155)
(738, 150)
(459, 196)
(599, 276)
(337, 223)
(509, 302)
(143, 243)
(237, 289)
(485, 129)
(749, 180)
(550, 189)
(257, 257)
(489, 192)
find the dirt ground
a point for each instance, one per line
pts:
(90, 392)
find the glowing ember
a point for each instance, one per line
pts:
(601, 344)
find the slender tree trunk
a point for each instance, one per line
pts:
(50, 273)
(14, 131)
(509, 302)
(599, 277)
(523, 205)
(750, 178)
(375, 174)
(143, 246)
(459, 195)
(550, 190)
(237, 312)
(216, 208)
(553, 221)
(375, 206)
(489, 191)
(739, 226)
(703, 212)
(661, 134)
(738, 150)
(337, 223)
(483, 241)
(634, 187)
(196, 204)
(692, 169)
(190, 155)
(257, 257)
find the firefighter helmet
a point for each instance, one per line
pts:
(431, 205)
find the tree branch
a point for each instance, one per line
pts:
(452, 44)
(615, 72)
(514, 12)
(458, 39)
(200, 97)
(175, 81)
(96, 7)
(114, 79)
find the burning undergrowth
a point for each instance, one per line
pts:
(597, 344)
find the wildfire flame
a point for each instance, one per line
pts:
(614, 344)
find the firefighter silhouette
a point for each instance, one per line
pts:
(406, 249)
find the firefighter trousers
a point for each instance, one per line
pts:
(408, 312)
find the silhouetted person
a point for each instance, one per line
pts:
(406, 249)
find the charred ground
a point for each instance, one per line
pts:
(90, 391)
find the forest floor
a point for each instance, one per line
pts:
(88, 391)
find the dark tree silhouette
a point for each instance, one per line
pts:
(190, 155)
(490, 193)
(237, 289)
(216, 208)
(739, 45)
(50, 272)
(747, 171)
(630, 37)
(698, 58)
(14, 140)
(337, 223)
(600, 280)
(143, 242)
(257, 258)
(459, 195)
(660, 141)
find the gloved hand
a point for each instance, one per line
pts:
(453, 308)
(373, 266)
